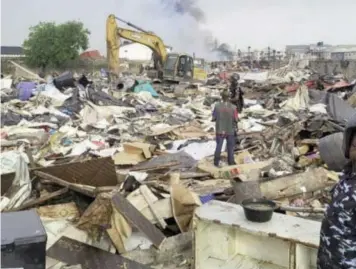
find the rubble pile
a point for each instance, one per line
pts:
(123, 167)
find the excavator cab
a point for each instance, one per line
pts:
(178, 67)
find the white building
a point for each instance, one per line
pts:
(298, 52)
(136, 52)
(350, 55)
(343, 52)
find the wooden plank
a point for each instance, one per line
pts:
(184, 202)
(135, 218)
(73, 252)
(162, 207)
(61, 182)
(286, 186)
(40, 200)
(147, 194)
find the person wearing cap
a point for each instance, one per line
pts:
(225, 116)
(337, 248)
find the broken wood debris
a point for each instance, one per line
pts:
(136, 219)
(132, 169)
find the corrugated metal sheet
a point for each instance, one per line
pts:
(97, 172)
(337, 108)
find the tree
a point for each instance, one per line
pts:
(52, 45)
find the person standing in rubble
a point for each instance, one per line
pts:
(225, 116)
(337, 248)
(319, 85)
(236, 93)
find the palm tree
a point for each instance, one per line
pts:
(249, 53)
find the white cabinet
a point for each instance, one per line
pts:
(225, 239)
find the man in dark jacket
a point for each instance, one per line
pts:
(236, 92)
(225, 115)
(337, 248)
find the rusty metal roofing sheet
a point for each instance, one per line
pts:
(96, 172)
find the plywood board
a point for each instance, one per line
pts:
(135, 218)
(74, 252)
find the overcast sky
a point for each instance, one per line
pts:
(255, 23)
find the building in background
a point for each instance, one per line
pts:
(321, 51)
(12, 52)
(297, 51)
(136, 52)
(351, 54)
(343, 52)
(91, 54)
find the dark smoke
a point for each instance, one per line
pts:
(191, 8)
(225, 52)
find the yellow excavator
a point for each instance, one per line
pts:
(174, 67)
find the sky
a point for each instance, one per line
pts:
(255, 23)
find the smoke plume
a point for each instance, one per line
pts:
(211, 47)
(190, 7)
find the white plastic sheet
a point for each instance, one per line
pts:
(6, 83)
(299, 101)
(15, 161)
(197, 150)
(56, 96)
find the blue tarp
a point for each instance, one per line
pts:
(206, 198)
(146, 87)
(25, 89)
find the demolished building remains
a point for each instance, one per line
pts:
(122, 177)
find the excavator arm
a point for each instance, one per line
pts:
(152, 41)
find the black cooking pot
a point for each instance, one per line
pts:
(258, 210)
